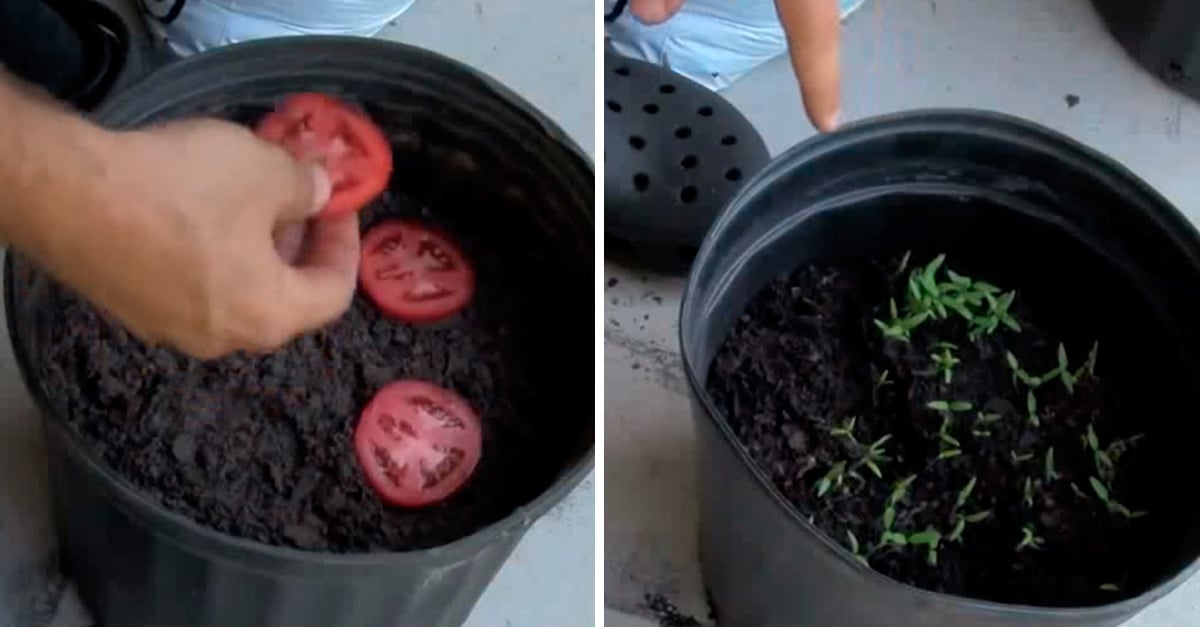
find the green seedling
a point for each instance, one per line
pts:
(944, 360)
(1064, 370)
(1051, 473)
(1029, 539)
(1028, 498)
(852, 540)
(1019, 373)
(899, 492)
(904, 263)
(1118, 448)
(1105, 496)
(1110, 587)
(1079, 493)
(931, 540)
(997, 314)
(845, 430)
(961, 522)
(835, 478)
(965, 494)
(1090, 365)
(901, 328)
(881, 381)
(954, 406)
(1019, 458)
(1103, 461)
(1031, 407)
(876, 454)
(982, 420)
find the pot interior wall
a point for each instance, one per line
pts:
(457, 146)
(1068, 239)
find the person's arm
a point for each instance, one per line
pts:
(813, 29)
(172, 230)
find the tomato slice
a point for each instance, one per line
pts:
(351, 148)
(417, 443)
(414, 273)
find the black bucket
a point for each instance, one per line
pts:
(136, 563)
(1007, 199)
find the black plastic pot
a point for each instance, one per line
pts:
(138, 564)
(1006, 199)
(1162, 35)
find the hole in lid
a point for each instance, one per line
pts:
(683, 132)
(621, 71)
(614, 106)
(705, 111)
(636, 142)
(733, 174)
(688, 194)
(641, 181)
(689, 162)
(687, 254)
(650, 108)
(728, 140)
(666, 89)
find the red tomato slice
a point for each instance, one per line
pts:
(417, 443)
(352, 149)
(414, 273)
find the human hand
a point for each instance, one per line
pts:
(197, 242)
(813, 30)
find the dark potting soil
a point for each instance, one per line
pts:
(806, 357)
(261, 446)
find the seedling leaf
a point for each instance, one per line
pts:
(979, 516)
(961, 405)
(1051, 473)
(965, 493)
(938, 405)
(1099, 488)
(889, 517)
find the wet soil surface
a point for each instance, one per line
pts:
(800, 378)
(260, 447)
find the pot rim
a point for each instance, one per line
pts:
(981, 123)
(252, 554)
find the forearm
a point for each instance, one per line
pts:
(53, 170)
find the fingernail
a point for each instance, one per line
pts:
(832, 122)
(322, 188)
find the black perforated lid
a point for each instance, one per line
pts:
(674, 154)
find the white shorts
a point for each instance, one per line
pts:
(190, 26)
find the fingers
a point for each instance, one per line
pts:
(654, 11)
(813, 32)
(319, 287)
(311, 190)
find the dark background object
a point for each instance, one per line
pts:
(674, 154)
(137, 564)
(78, 50)
(1006, 199)
(1162, 35)
(40, 46)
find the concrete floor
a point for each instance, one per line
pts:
(1018, 56)
(544, 50)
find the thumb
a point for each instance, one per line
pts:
(312, 190)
